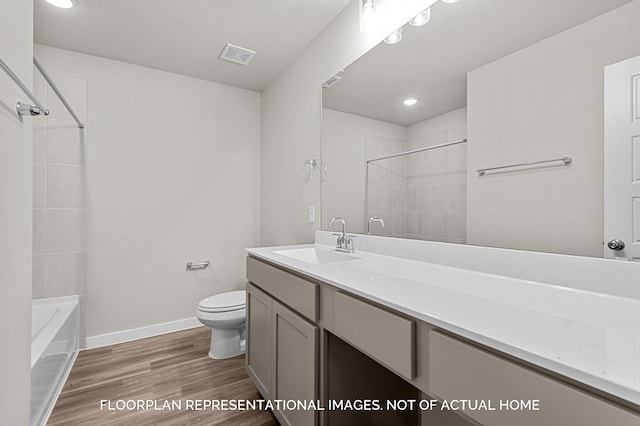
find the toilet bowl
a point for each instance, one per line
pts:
(226, 314)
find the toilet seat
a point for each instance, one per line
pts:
(224, 302)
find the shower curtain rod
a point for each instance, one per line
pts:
(413, 151)
(25, 89)
(58, 93)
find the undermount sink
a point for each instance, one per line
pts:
(316, 255)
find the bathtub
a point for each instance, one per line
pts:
(54, 347)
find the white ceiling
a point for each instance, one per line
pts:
(431, 62)
(187, 36)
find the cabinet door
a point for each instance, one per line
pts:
(458, 370)
(259, 339)
(295, 357)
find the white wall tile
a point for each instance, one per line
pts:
(457, 168)
(412, 222)
(39, 231)
(440, 224)
(66, 273)
(39, 185)
(372, 197)
(66, 230)
(423, 197)
(439, 197)
(423, 223)
(457, 196)
(411, 198)
(65, 186)
(40, 140)
(39, 283)
(457, 225)
(397, 223)
(65, 142)
(399, 198)
(385, 198)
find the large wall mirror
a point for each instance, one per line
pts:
(522, 81)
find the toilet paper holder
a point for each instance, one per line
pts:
(200, 265)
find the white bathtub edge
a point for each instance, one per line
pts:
(44, 337)
(141, 332)
(63, 380)
(56, 300)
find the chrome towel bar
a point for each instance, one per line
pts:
(566, 160)
(201, 265)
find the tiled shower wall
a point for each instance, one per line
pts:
(419, 196)
(436, 190)
(387, 185)
(59, 194)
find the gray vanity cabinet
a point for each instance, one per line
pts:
(259, 335)
(282, 340)
(299, 349)
(295, 360)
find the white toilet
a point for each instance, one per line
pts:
(226, 314)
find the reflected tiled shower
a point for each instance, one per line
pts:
(419, 196)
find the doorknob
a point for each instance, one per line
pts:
(616, 245)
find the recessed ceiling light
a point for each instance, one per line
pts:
(449, 1)
(65, 4)
(421, 18)
(410, 102)
(394, 37)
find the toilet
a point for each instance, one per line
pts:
(226, 314)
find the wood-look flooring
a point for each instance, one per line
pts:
(170, 367)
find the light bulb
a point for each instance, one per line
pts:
(421, 18)
(394, 37)
(65, 4)
(410, 102)
(367, 18)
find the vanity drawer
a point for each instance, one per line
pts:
(459, 371)
(384, 336)
(297, 293)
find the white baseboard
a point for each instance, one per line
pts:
(140, 333)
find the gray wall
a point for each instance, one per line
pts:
(172, 175)
(543, 102)
(16, 189)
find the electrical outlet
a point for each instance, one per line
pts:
(312, 214)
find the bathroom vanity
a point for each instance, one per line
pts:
(386, 325)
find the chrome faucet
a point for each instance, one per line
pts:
(374, 219)
(344, 243)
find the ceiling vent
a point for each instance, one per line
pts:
(237, 54)
(333, 80)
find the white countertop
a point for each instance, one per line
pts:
(590, 337)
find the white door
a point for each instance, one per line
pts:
(622, 160)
